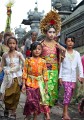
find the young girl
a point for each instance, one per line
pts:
(50, 26)
(67, 74)
(35, 82)
(10, 87)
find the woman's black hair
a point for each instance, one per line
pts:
(48, 28)
(72, 38)
(34, 45)
(10, 39)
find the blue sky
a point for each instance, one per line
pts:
(20, 9)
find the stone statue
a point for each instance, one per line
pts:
(20, 32)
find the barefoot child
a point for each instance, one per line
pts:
(67, 74)
(34, 78)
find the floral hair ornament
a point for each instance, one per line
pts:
(9, 13)
(52, 22)
(52, 19)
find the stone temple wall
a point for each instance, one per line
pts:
(74, 25)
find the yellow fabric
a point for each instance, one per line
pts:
(34, 67)
(12, 95)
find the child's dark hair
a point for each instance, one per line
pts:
(34, 45)
(10, 39)
(13, 39)
(72, 38)
(7, 34)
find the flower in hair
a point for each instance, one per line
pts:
(52, 22)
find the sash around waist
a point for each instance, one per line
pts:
(34, 77)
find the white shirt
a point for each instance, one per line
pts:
(68, 67)
(16, 62)
(13, 67)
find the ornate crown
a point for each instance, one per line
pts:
(51, 19)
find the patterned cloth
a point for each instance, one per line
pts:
(34, 67)
(68, 91)
(12, 95)
(44, 96)
(82, 59)
(52, 59)
(35, 75)
(80, 89)
(33, 101)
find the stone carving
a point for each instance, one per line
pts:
(20, 32)
(64, 5)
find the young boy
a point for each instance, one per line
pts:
(67, 73)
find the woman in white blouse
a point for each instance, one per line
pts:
(67, 73)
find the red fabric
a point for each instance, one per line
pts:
(82, 59)
(32, 103)
(52, 22)
(28, 53)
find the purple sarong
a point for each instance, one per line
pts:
(68, 91)
(32, 101)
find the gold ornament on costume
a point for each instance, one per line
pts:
(51, 19)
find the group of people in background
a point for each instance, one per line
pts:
(39, 70)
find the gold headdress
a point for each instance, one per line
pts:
(51, 19)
